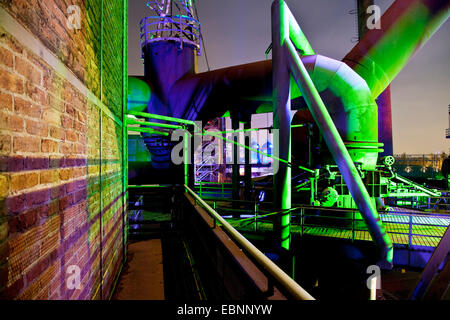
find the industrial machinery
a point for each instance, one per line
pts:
(332, 150)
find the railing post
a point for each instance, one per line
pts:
(256, 214)
(302, 222)
(353, 226)
(410, 231)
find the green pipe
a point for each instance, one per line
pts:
(212, 182)
(257, 151)
(150, 186)
(158, 117)
(148, 130)
(206, 133)
(153, 124)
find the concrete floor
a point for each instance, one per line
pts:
(143, 276)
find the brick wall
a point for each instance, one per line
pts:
(61, 151)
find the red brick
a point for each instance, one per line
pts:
(81, 117)
(24, 181)
(5, 101)
(11, 122)
(23, 221)
(53, 208)
(37, 269)
(51, 116)
(5, 143)
(55, 102)
(66, 122)
(79, 148)
(58, 192)
(11, 82)
(71, 111)
(6, 58)
(49, 146)
(27, 108)
(57, 133)
(66, 174)
(49, 176)
(4, 252)
(38, 197)
(35, 94)
(29, 71)
(27, 144)
(37, 128)
(37, 163)
(4, 186)
(16, 204)
(65, 202)
(66, 148)
(71, 136)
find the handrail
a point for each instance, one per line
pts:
(152, 29)
(292, 287)
(159, 117)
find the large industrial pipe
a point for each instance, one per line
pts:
(348, 96)
(405, 27)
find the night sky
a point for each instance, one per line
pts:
(239, 31)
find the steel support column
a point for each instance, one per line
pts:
(236, 177)
(384, 100)
(281, 124)
(248, 165)
(191, 155)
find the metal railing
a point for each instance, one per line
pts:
(179, 28)
(216, 189)
(348, 223)
(287, 283)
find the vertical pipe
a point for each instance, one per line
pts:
(124, 127)
(186, 154)
(363, 16)
(281, 123)
(192, 147)
(248, 165)
(101, 152)
(385, 122)
(236, 165)
(222, 154)
(384, 99)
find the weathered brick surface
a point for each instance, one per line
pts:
(61, 194)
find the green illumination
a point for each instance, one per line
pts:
(393, 51)
(226, 114)
(153, 124)
(139, 94)
(158, 117)
(148, 130)
(217, 135)
(147, 186)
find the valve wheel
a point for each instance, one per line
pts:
(389, 160)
